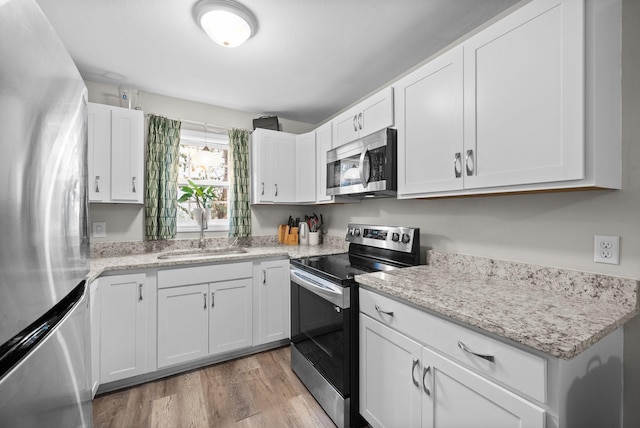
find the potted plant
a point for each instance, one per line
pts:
(202, 195)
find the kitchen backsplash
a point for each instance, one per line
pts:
(116, 249)
(569, 282)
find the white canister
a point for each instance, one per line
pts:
(314, 238)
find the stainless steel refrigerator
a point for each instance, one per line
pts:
(44, 316)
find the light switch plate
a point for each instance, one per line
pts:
(99, 229)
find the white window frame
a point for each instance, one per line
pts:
(210, 140)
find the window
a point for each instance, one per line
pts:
(204, 159)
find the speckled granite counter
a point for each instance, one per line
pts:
(128, 256)
(556, 311)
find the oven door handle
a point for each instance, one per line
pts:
(333, 294)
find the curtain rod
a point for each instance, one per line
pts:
(195, 122)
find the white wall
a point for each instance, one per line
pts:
(125, 222)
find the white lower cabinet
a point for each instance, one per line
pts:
(272, 299)
(123, 326)
(203, 311)
(404, 384)
(420, 370)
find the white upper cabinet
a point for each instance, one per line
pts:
(371, 115)
(115, 154)
(324, 143)
(530, 103)
(273, 166)
(429, 106)
(524, 107)
(305, 167)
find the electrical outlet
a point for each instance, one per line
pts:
(99, 229)
(606, 249)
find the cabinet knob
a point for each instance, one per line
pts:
(97, 186)
(276, 194)
(262, 193)
(140, 291)
(213, 299)
(360, 121)
(264, 276)
(355, 123)
(205, 300)
(133, 184)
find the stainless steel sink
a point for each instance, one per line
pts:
(202, 253)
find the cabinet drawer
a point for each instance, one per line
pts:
(513, 367)
(204, 274)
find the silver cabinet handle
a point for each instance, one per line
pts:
(457, 165)
(464, 347)
(355, 123)
(139, 291)
(262, 193)
(264, 276)
(469, 164)
(205, 300)
(424, 384)
(97, 184)
(413, 369)
(133, 184)
(276, 189)
(390, 313)
(213, 299)
(360, 121)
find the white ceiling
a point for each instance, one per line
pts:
(308, 60)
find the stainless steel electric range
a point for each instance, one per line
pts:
(324, 313)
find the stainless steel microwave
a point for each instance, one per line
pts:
(364, 168)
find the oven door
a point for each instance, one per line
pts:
(320, 326)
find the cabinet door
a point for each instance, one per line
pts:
(324, 143)
(371, 115)
(123, 328)
(456, 397)
(284, 168)
(376, 113)
(524, 90)
(127, 151)
(273, 163)
(305, 165)
(345, 127)
(430, 126)
(390, 383)
(230, 316)
(183, 324)
(99, 152)
(272, 288)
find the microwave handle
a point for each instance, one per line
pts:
(365, 175)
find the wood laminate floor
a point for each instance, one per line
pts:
(260, 390)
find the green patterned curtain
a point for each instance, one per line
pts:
(163, 147)
(239, 210)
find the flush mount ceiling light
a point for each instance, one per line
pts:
(227, 22)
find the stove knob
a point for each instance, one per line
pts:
(350, 231)
(356, 232)
(405, 238)
(395, 237)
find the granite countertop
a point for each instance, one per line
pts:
(145, 260)
(556, 311)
